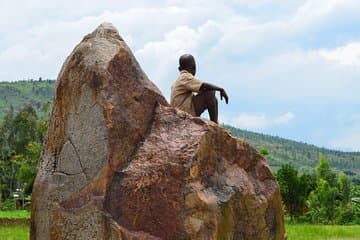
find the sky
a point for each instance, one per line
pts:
(291, 68)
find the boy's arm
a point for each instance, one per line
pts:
(210, 87)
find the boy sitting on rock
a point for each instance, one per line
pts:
(186, 84)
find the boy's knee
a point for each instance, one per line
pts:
(210, 95)
(211, 98)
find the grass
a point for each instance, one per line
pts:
(322, 232)
(15, 214)
(17, 232)
(295, 231)
(13, 225)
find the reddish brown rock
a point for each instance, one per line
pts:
(119, 163)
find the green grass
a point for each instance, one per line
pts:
(12, 229)
(17, 232)
(295, 231)
(322, 232)
(15, 214)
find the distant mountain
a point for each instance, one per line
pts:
(302, 156)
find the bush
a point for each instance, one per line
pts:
(8, 204)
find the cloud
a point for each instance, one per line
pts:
(41, 48)
(293, 77)
(284, 119)
(348, 55)
(263, 58)
(269, 55)
(258, 121)
(160, 58)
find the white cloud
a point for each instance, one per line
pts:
(259, 51)
(143, 27)
(250, 121)
(245, 56)
(314, 14)
(160, 57)
(315, 9)
(284, 119)
(258, 121)
(348, 55)
(299, 76)
(23, 51)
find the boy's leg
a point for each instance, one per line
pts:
(206, 100)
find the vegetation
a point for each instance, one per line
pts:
(14, 232)
(295, 231)
(14, 224)
(21, 137)
(303, 157)
(323, 198)
(15, 214)
(298, 231)
(15, 95)
(294, 189)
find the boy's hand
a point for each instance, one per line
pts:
(224, 95)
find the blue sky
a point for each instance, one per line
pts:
(291, 68)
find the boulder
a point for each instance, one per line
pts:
(119, 163)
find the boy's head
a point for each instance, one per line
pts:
(187, 62)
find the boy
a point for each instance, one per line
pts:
(186, 84)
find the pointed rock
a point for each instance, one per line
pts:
(119, 163)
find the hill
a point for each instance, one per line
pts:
(302, 156)
(17, 94)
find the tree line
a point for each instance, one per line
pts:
(21, 137)
(325, 197)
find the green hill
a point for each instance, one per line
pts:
(302, 156)
(17, 94)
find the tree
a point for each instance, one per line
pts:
(323, 171)
(16, 132)
(264, 152)
(24, 130)
(344, 186)
(6, 151)
(28, 162)
(331, 201)
(294, 190)
(327, 199)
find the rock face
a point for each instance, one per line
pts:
(120, 163)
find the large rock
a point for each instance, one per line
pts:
(119, 163)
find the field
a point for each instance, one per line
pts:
(13, 226)
(18, 214)
(322, 232)
(14, 232)
(294, 231)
